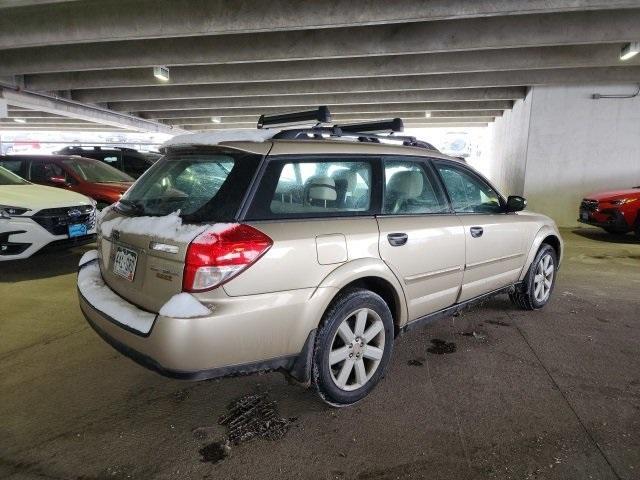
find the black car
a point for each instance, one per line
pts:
(130, 161)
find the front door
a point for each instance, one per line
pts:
(421, 239)
(495, 240)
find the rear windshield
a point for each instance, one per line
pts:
(94, 171)
(203, 186)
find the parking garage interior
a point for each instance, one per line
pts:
(546, 96)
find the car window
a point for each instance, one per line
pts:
(202, 186)
(410, 189)
(44, 171)
(468, 192)
(134, 166)
(94, 171)
(313, 189)
(12, 165)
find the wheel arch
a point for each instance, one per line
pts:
(546, 235)
(373, 275)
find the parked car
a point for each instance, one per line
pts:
(617, 211)
(33, 216)
(130, 161)
(304, 253)
(87, 176)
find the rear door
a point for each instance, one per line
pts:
(421, 239)
(319, 210)
(495, 241)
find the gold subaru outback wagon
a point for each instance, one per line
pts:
(306, 250)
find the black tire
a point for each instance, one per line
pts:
(342, 309)
(524, 295)
(636, 231)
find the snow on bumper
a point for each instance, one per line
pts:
(92, 287)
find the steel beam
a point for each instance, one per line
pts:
(109, 20)
(607, 26)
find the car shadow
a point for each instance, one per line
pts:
(44, 264)
(602, 236)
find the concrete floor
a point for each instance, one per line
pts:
(534, 395)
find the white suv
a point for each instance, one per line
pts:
(34, 216)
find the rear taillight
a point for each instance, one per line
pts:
(216, 256)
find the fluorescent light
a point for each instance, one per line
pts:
(161, 73)
(216, 119)
(629, 50)
(427, 114)
(19, 120)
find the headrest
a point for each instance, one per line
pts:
(408, 183)
(322, 188)
(349, 176)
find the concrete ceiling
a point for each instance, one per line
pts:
(462, 62)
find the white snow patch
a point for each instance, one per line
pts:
(184, 305)
(102, 298)
(89, 256)
(101, 213)
(216, 137)
(169, 227)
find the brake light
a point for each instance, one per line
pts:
(216, 256)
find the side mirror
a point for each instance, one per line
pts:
(58, 181)
(516, 203)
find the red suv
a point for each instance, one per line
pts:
(617, 211)
(90, 177)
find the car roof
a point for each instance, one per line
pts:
(44, 158)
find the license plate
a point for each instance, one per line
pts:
(124, 263)
(77, 230)
(584, 216)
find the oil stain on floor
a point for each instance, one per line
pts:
(440, 347)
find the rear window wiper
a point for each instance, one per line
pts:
(130, 205)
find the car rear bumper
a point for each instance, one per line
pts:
(242, 335)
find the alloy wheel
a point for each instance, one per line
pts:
(357, 349)
(543, 279)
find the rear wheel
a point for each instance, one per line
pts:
(353, 347)
(535, 291)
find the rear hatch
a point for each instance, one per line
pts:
(144, 239)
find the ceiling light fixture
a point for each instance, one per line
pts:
(630, 50)
(216, 119)
(161, 73)
(427, 114)
(19, 120)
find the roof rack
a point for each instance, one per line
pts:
(371, 132)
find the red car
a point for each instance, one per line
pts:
(92, 178)
(617, 211)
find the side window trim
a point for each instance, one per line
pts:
(431, 174)
(473, 174)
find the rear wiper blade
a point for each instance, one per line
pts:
(131, 205)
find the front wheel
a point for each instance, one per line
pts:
(353, 347)
(535, 291)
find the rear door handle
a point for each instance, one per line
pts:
(397, 239)
(476, 231)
